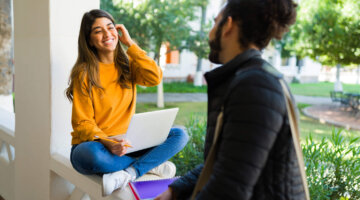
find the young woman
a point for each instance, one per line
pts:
(102, 88)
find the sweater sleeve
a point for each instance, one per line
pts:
(83, 118)
(145, 70)
(253, 116)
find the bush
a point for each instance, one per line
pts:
(193, 152)
(333, 167)
(332, 164)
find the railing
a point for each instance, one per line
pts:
(7, 154)
(85, 187)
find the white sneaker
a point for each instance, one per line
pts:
(115, 180)
(165, 170)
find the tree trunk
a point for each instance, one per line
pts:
(358, 75)
(6, 55)
(338, 86)
(198, 76)
(160, 89)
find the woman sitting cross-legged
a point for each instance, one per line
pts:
(102, 88)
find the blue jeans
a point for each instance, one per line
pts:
(94, 158)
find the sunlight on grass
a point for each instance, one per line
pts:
(186, 109)
(321, 89)
(319, 131)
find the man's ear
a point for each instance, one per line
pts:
(228, 27)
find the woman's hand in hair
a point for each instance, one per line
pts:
(119, 147)
(125, 36)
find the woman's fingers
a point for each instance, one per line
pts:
(119, 148)
(125, 36)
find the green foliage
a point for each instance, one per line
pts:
(153, 22)
(332, 164)
(193, 153)
(198, 41)
(327, 31)
(333, 167)
(174, 87)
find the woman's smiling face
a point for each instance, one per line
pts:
(104, 36)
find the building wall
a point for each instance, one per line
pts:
(6, 63)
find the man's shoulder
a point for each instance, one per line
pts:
(258, 67)
(256, 77)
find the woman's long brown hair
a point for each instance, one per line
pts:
(87, 63)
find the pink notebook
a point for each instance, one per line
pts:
(150, 189)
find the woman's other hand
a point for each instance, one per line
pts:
(118, 147)
(125, 36)
(167, 195)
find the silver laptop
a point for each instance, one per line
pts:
(149, 129)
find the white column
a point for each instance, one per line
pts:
(45, 49)
(33, 99)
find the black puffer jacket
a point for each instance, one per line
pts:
(256, 157)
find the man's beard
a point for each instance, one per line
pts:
(215, 47)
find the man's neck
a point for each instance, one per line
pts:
(232, 51)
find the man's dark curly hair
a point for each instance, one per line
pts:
(260, 21)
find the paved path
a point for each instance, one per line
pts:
(202, 97)
(334, 114)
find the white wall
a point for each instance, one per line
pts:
(45, 47)
(65, 20)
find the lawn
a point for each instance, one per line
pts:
(187, 109)
(321, 89)
(175, 87)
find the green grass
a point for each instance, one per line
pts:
(321, 89)
(175, 87)
(187, 109)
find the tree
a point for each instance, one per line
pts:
(327, 31)
(198, 42)
(153, 22)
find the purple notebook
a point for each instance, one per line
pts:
(150, 189)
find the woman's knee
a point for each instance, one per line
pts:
(88, 155)
(180, 134)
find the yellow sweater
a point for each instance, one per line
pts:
(109, 113)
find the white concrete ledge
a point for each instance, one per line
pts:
(7, 139)
(7, 127)
(89, 184)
